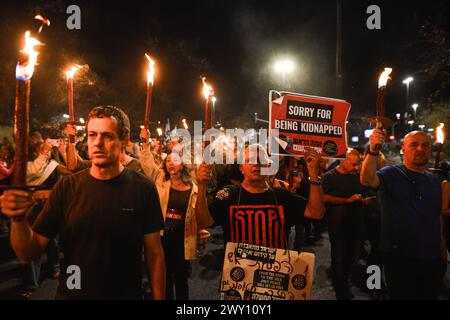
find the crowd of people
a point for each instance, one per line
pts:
(124, 211)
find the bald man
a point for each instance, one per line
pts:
(343, 194)
(410, 225)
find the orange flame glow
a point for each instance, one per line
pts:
(151, 70)
(185, 124)
(208, 91)
(24, 70)
(72, 71)
(440, 137)
(45, 22)
(384, 77)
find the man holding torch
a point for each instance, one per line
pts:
(414, 256)
(104, 216)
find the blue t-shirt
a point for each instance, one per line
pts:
(410, 210)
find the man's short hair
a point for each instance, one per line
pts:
(114, 113)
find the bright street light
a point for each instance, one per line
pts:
(421, 126)
(415, 106)
(284, 67)
(407, 81)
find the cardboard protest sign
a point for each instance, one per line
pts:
(247, 220)
(298, 121)
(252, 272)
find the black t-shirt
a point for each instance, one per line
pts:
(101, 224)
(176, 210)
(343, 185)
(257, 218)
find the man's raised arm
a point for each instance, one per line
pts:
(369, 176)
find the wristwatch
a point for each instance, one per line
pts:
(315, 183)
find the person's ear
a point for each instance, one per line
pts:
(241, 168)
(125, 141)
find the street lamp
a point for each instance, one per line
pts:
(415, 106)
(421, 126)
(411, 123)
(407, 81)
(284, 67)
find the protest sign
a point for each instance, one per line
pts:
(252, 272)
(298, 121)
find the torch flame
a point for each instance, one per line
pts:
(25, 69)
(185, 124)
(440, 134)
(151, 70)
(45, 22)
(384, 77)
(72, 71)
(159, 131)
(207, 89)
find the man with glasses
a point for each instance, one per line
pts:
(410, 224)
(343, 194)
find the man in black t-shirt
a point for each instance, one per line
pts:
(343, 196)
(256, 214)
(104, 216)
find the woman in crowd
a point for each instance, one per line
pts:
(184, 206)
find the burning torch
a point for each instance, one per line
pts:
(70, 75)
(440, 139)
(380, 120)
(24, 72)
(185, 124)
(208, 93)
(150, 76)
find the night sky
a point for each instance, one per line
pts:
(233, 43)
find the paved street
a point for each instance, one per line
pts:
(206, 273)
